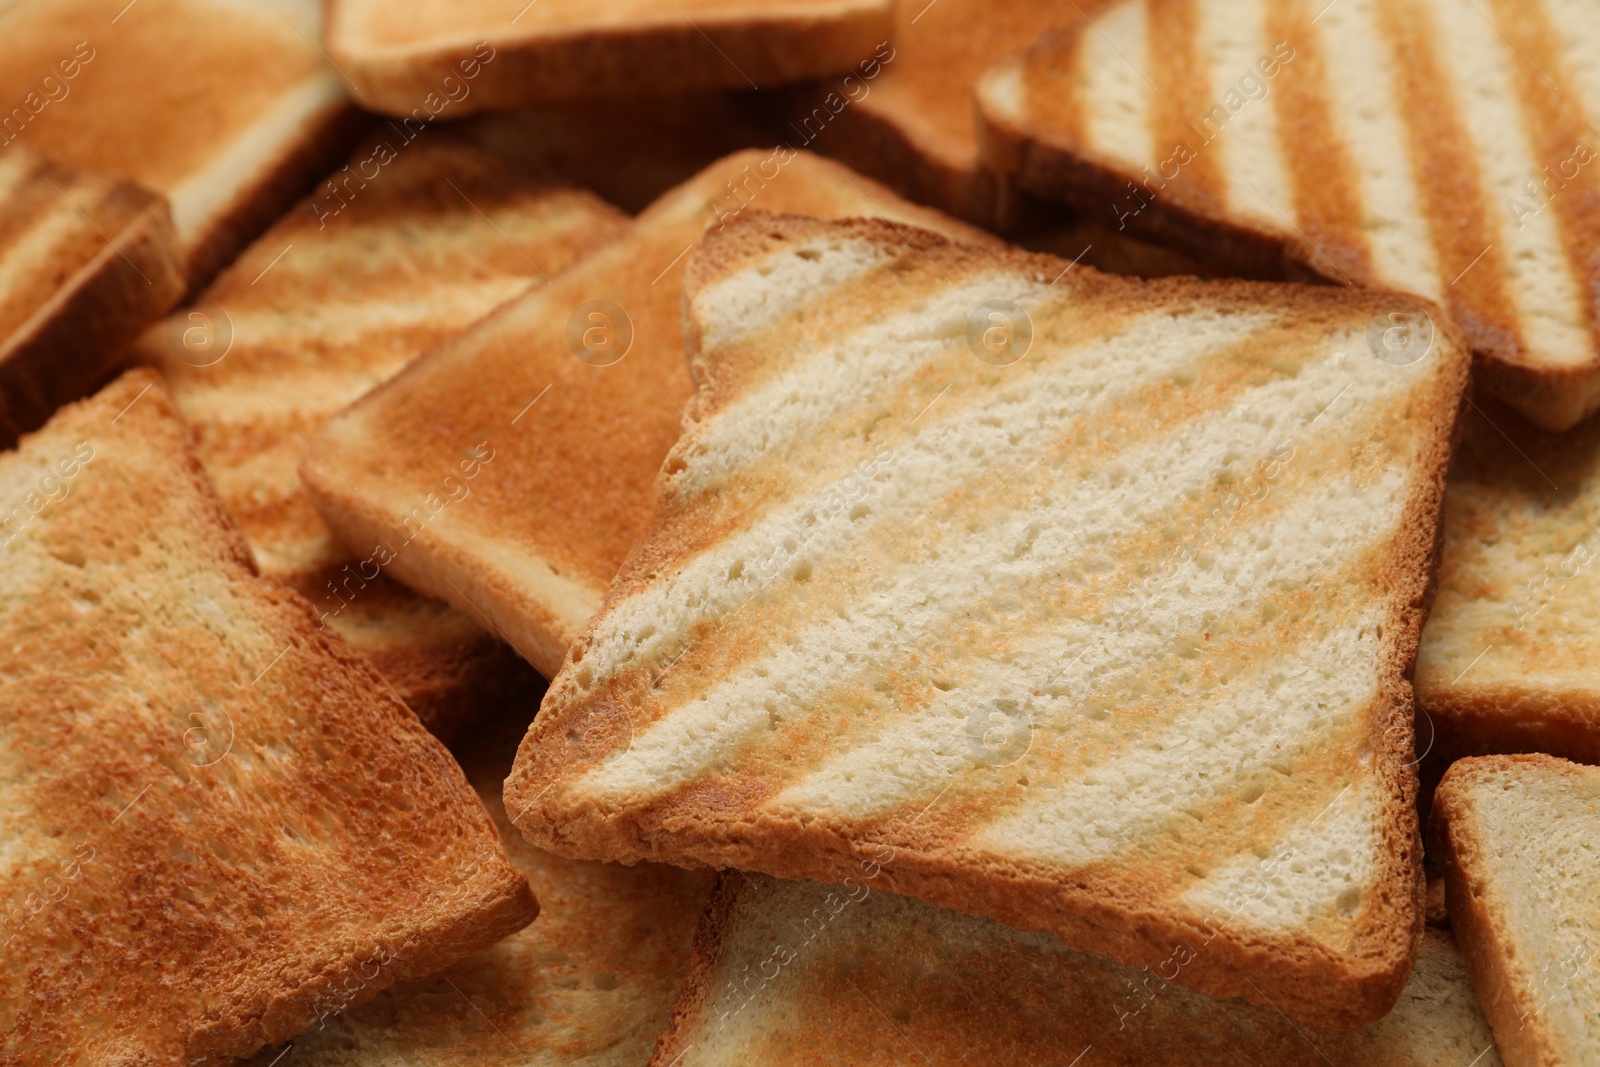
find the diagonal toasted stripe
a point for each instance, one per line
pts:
(879, 559)
(1180, 45)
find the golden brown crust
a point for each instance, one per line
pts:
(114, 272)
(299, 839)
(1334, 990)
(1477, 911)
(525, 66)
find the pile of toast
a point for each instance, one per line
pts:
(684, 533)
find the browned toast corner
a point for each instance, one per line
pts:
(85, 262)
(218, 823)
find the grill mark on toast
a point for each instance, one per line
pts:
(1557, 125)
(1321, 174)
(1449, 180)
(1183, 72)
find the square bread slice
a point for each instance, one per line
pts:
(354, 283)
(791, 973)
(576, 393)
(226, 107)
(85, 262)
(484, 54)
(1441, 148)
(1510, 658)
(215, 819)
(592, 982)
(1519, 836)
(1090, 600)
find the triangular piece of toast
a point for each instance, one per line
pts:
(215, 819)
(1518, 840)
(85, 262)
(1444, 149)
(1082, 602)
(561, 406)
(360, 279)
(225, 107)
(792, 973)
(474, 55)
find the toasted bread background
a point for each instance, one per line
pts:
(800, 973)
(1518, 837)
(357, 281)
(1510, 659)
(1439, 148)
(1177, 555)
(85, 262)
(575, 445)
(590, 982)
(223, 106)
(216, 820)
(504, 53)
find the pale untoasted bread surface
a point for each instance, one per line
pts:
(360, 279)
(1111, 641)
(223, 106)
(218, 823)
(85, 262)
(1510, 659)
(1440, 148)
(591, 982)
(566, 448)
(800, 973)
(1518, 840)
(498, 53)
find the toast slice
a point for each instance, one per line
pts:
(490, 54)
(85, 262)
(1441, 148)
(1089, 601)
(1518, 837)
(215, 820)
(1510, 658)
(571, 434)
(226, 107)
(789, 973)
(591, 982)
(336, 297)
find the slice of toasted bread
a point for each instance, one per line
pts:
(1438, 148)
(215, 820)
(800, 973)
(569, 435)
(1090, 601)
(488, 54)
(85, 262)
(1510, 658)
(224, 106)
(340, 294)
(591, 982)
(906, 116)
(1518, 836)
